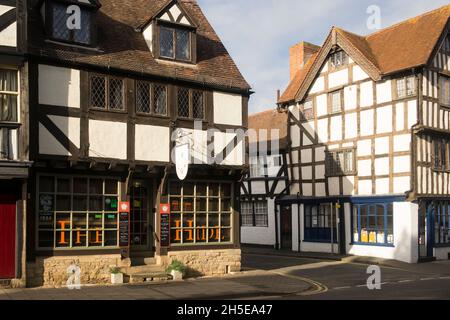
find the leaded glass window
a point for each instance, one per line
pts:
(175, 43)
(60, 30)
(183, 102)
(107, 93)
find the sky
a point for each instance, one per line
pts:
(259, 33)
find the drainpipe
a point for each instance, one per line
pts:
(276, 227)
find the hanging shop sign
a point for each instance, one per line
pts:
(182, 160)
(164, 210)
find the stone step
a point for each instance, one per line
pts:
(149, 277)
(5, 284)
(143, 269)
(141, 261)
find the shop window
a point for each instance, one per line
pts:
(201, 213)
(107, 93)
(441, 223)
(373, 224)
(319, 223)
(77, 212)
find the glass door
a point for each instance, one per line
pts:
(140, 217)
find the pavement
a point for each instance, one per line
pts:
(272, 275)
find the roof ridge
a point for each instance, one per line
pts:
(407, 20)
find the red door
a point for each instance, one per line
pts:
(7, 237)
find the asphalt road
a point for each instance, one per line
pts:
(348, 281)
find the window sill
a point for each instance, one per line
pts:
(372, 244)
(319, 241)
(150, 115)
(443, 245)
(108, 110)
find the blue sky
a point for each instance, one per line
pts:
(258, 33)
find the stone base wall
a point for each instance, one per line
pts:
(207, 263)
(54, 271)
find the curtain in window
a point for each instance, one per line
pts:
(8, 95)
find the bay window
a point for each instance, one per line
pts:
(201, 213)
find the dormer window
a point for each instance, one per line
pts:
(70, 22)
(175, 43)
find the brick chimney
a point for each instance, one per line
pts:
(300, 54)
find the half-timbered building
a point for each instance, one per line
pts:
(368, 129)
(266, 180)
(109, 102)
(14, 160)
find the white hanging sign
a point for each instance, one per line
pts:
(182, 160)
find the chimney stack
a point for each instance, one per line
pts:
(299, 56)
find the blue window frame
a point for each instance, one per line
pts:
(318, 223)
(441, 221)
(373, 224)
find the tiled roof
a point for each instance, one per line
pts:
(268, 120)
(403, 46)
(122, 47)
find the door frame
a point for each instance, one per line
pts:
(150, 216)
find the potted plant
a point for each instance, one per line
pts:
(116, 275)
(177, 270)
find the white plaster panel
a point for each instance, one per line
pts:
(365, 168)
(148, 36)
(227, 108)
(59, 86)
(382, 186)
(8, 36)
(320, 154)
(333, 186)
(70, 126)
(338, 78)
(351, 125)
(307, 173)
(366, 94)
(295, 136)
(384, 92)
(336, 128)
(350, 97)
(401, 184)
(108, 139)
(306, 156)
(322, 105)
(320, 172)
(399, 117)
(364, 148)
(382, 166)
(221, 141)
(322, 130)
(320, 189)
(152, 143)
(318, 86)
(382, 145)
(49, 145)
(402, 142)
(359, 74)
(412, 113)
(367, 122)
(364, 187)
(384, 119)
(307, 189)
(348, 185)
(402, 164)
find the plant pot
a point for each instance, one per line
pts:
(116, 278)
(177, 275)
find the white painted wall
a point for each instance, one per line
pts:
(152, 143)
(227, 108)
(49, 145)
(8, 37)
(148, 36)
(108, 139)
(235, 157)
(59, 86)
(261, 235)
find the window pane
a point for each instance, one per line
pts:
(98, 87)
(110, 186)
(116, 94)
(63, 185)
(95, 186)
(166, 42)
(401, 88)
(197, 104)
(183, 45)
(143, 97)
(83, 35)
(8, 81)
(160, 98)
(336, 101)
(183, 103)
(60, 30)
(47, 184)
